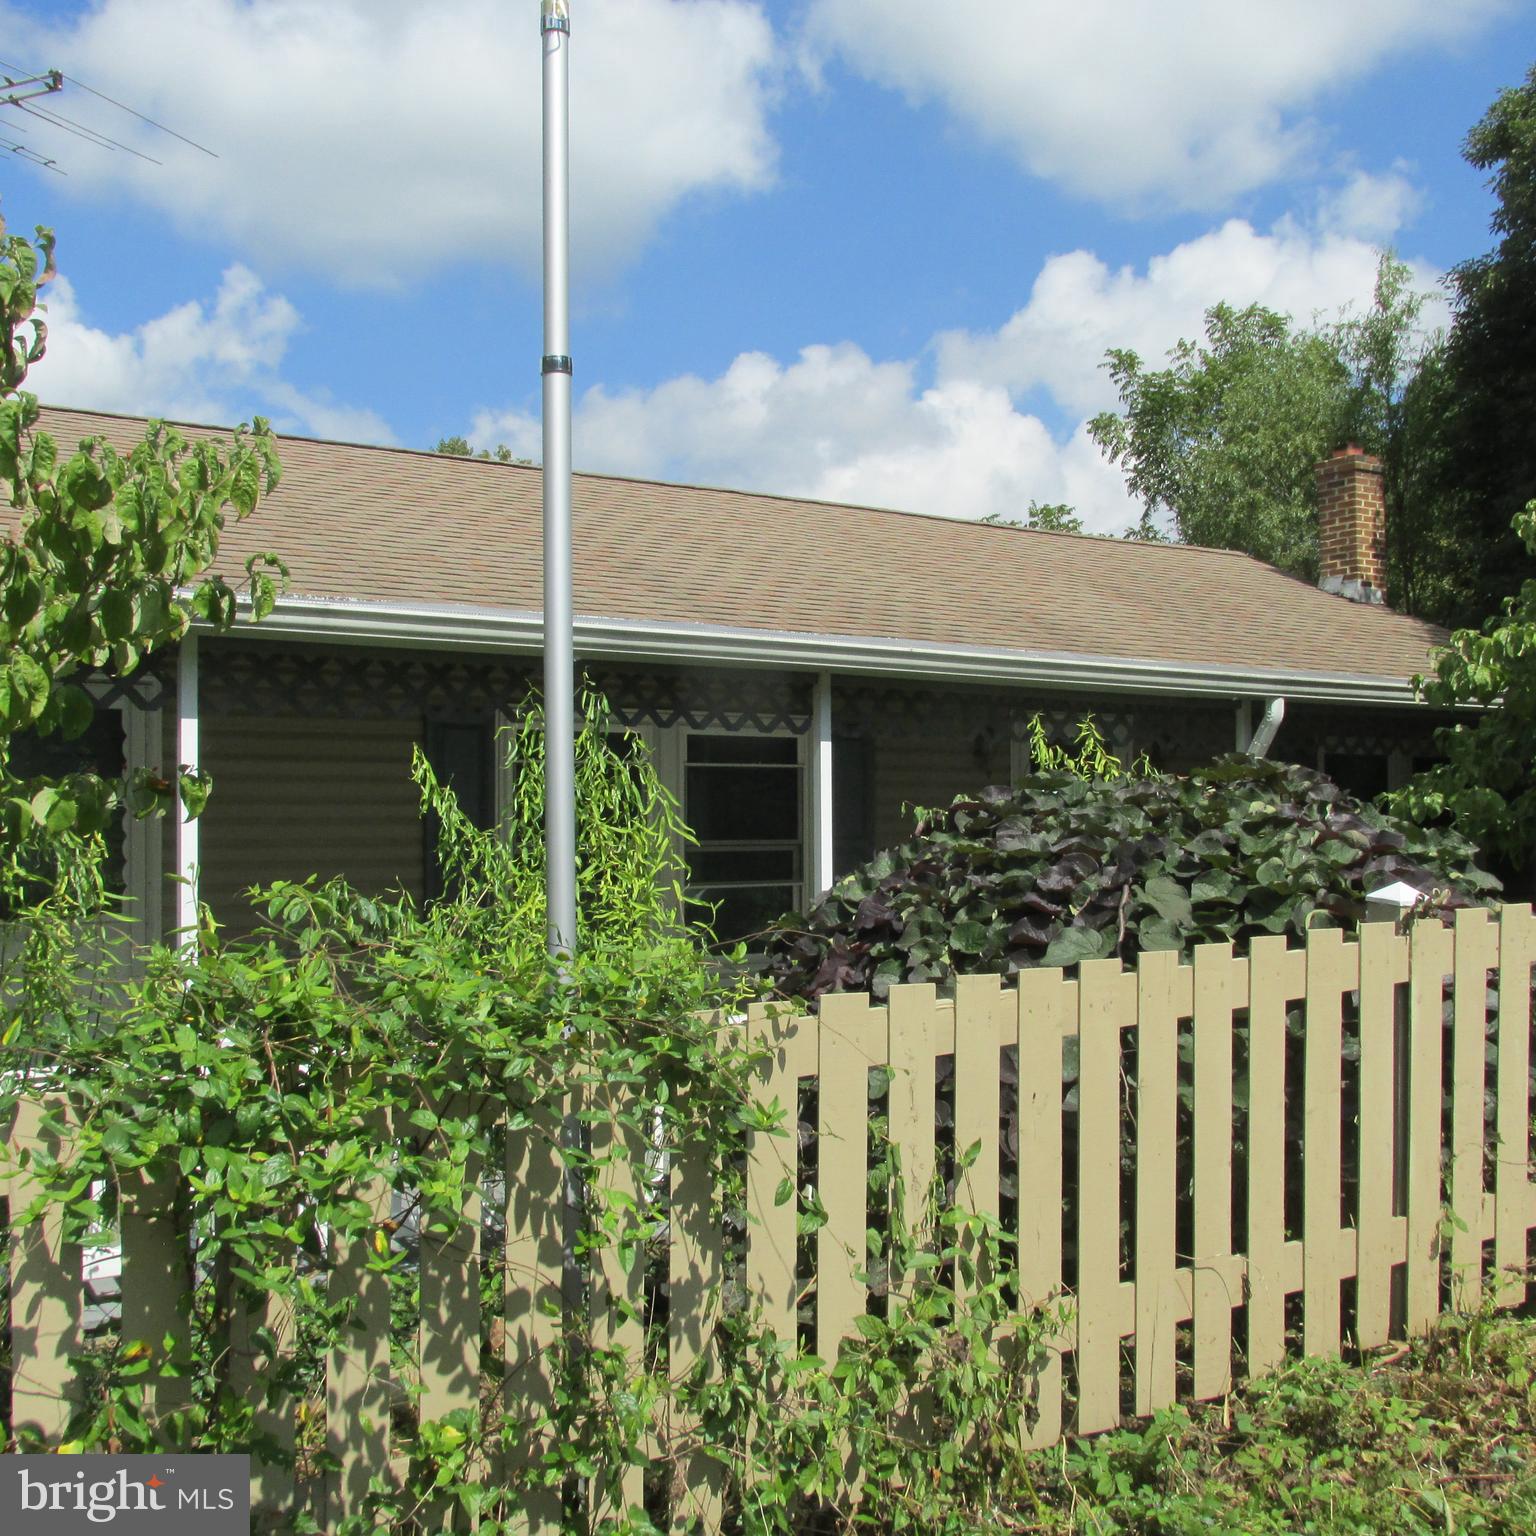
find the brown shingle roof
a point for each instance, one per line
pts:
(386, 524)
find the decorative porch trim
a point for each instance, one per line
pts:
(467, 628)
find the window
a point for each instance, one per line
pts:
(101, 749)
(743, 798)
(1361, 774)
(462, 756)
(853, 803)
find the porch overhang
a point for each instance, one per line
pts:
(462, 627)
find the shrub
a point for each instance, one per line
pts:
(1064, 868)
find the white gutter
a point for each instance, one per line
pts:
(463, 627)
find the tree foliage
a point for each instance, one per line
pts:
(1487, 403)
(1224, 439)
(458, 447)
(1487, 782)
(107, 557)
(1047, 516)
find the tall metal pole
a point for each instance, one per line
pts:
(188, 755)
(559, 658)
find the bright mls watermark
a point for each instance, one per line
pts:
(131, 1495)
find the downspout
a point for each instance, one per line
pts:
(821, 785)
(1269, 726)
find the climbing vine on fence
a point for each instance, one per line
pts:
(267, 1084)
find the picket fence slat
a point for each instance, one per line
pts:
(1383, 965)
(773, 1179)
(912, 1048)
(1476, 954)
(251, 1368)
(534, 1213)
(697, 1265)
(357, 1368)
(1106, 994)
(983, 1016)
(1163, 998)
(448, 1333)
(1276, 979)
(1047, 1009)
(618, 1295)
(1399, 1164)
(1216, 994)
(1433, 956)
(1512, 1171)
(46, 1299)
(156, 1287)
(853, 1039)
(1332, 969)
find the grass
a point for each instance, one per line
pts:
(1438, 1437)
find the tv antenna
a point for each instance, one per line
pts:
(23, 91)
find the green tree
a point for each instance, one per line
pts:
(1047, 516)
(107, 557)
(457, 447)
(1487, 470)
(1224, 439)
(1486, 783)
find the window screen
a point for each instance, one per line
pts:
(742, 798)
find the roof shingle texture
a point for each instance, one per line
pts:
(384, 524)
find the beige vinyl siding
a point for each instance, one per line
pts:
(930, 771)
(295, 796)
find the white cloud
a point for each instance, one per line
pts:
(837, 424)
(204, 362)
(378, 140)
(1188, 102)
(1371, 207)
(1079, 307)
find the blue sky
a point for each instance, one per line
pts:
(863, 249)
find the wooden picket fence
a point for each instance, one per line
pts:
(1143, 1153)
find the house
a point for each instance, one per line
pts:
(802, 671)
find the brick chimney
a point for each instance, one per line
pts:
(1352, 526)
